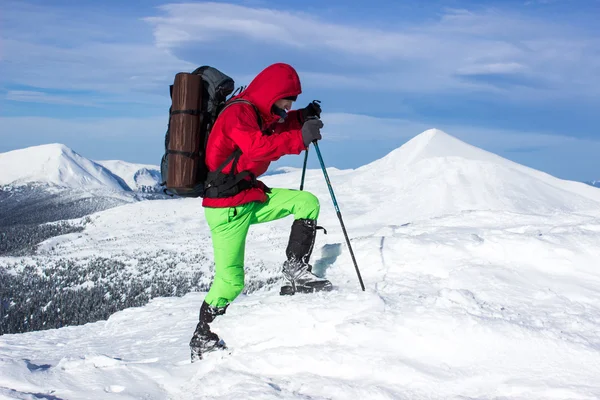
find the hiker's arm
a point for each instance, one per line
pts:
(246, 134)
(292, 121)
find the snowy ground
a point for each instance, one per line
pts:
(473, 300)
(450, 312)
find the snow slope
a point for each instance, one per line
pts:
(508, 309)
(473, 291)
(57, 165)
(137, 176)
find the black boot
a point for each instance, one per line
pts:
(296, 270)
(204, 340)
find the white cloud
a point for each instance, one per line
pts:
(75, 50)
(430, 56)
(92, 128)
(494, 68)
(213, 21)
(348, 127)
(109, 68)
(394, 81)
(30, 96)
(119, 59)
(118, 54)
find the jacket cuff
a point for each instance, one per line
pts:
(299, 144)
(300, 117)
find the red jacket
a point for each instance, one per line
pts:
(237, 126)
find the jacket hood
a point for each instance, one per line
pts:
(271, 84)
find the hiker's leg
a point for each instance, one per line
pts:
(229, 228)
(305, 208)
(284, 202)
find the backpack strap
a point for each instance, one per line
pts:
(236, 101)
(191, 112)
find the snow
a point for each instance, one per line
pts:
(136, 176)
(436, 173)
(481, 276)
(55, 164)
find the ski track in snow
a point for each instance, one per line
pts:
(463, 301)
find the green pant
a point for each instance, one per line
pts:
(229, 227)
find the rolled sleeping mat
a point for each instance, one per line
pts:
(184, 132)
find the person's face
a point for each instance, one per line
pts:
(284, 104)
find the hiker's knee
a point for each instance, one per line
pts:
(228, 283)
(308, 206)
(236, 284)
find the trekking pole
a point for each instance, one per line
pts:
(304, 170)
(339, 214)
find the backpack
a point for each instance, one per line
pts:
(197, 99)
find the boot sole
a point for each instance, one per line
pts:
(289, 290)
(197, 356)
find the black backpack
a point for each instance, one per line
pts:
(200, 98)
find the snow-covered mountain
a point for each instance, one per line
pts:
(436, 174)
(56, 165)
(481, 277)
(52, 182)
(59, 166)
(139, 177)
(594, 183)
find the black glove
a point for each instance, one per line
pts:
(311, 131)
(313, 109)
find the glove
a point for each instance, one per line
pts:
(311, 131)
(313, 109)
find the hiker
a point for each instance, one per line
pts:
(264, 129)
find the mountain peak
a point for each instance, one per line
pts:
(44, 151)
(435, 173)
(432, 143)
(50, 148)
(436, 143)
(57, 165)
(431, 134)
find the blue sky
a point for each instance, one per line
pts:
(518, 78)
